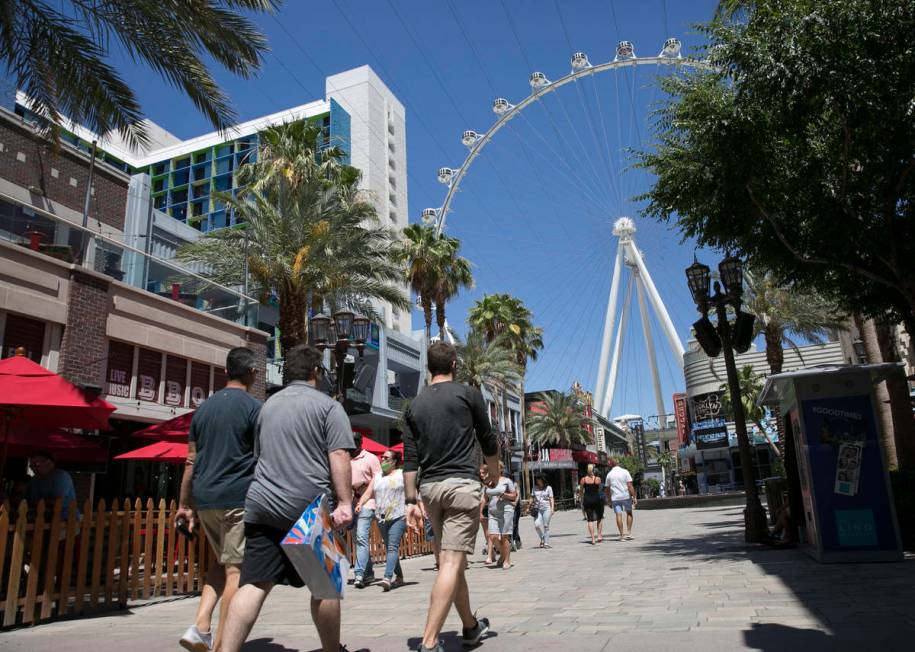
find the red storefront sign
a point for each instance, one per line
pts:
(681, 416)
(558, 454)
(586, 457)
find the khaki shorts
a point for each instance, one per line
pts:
(453, 506)
(225, 530)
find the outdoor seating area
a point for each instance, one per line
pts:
(110, 557)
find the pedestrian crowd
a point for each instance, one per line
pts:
(253, 468)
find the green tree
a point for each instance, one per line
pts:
(59, 54)
(486, 363)
(784, 311)
(797, 149)
(503, 314)
(632, 464)
(310, 236)
(751, 386)
(560, 421)
(454, 275)
(433, 269)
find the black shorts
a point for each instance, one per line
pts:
(265, 560)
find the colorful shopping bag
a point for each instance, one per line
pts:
(319, 554)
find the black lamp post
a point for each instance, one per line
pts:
(340, 333)
(728, 336)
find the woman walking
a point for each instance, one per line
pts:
(388, 492)
(542, 508)
(501, 506)
(593, 504)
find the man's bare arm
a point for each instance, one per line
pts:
(186, 494)
(341, 478)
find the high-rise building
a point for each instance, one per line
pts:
(359, 114)
(89, 283)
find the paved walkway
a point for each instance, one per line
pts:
(686, 582)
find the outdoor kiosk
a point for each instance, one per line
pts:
(849, 514)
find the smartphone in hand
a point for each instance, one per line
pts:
(182, 526)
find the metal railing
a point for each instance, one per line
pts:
(45, 233)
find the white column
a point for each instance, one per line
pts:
(607, 404)
(599, 390)
(649, 344)
(673, 339)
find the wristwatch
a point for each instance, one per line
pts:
(410, 501)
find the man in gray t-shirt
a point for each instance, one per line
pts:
(302, 446)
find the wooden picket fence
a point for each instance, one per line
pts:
(51, 567)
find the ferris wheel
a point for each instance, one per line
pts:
(629, 261)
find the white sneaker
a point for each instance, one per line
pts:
(196, 641)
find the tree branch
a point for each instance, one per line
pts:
(815, 260)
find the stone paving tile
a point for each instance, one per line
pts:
(680, 584)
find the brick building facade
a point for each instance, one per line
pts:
(60, 174)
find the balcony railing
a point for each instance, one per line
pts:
(43, 232)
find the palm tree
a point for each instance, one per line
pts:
(58, 54)
(751, 386)
(453, 275)
(419, 252)
(482, 363)
(497, 315)
(561, 421)
(503, 314)
(782, 311)
(311, 237)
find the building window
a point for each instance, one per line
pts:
(393, 182)
(392, 164)
(393, 199)
(393, 216)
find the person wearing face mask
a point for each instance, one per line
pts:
(387, 490)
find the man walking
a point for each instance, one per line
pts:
(219, 468)
(621, 495)
(302, 448)
(441, 424)
(365, 467)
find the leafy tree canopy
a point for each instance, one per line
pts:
(797, 149)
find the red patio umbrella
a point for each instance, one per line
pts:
(32, 396)
(373, 446)
(65, 446)
(161, 451)
(175, 429)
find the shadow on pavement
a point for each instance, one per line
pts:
(265, 645)
(779, 638)
(855, 601)
(451, 640)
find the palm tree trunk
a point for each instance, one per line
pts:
(440, 317)
(868, 330)
(775, 354)
(427, 315)
(293, 323)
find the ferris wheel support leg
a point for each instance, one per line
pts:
(667, 325)
(617, 350)
(608, 327)
(649, 345)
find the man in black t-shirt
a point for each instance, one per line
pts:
(441, 426)
(220, 466)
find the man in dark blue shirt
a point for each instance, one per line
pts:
(220, 466)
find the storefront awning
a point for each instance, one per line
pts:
(586, 457)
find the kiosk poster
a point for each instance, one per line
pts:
(848, 479)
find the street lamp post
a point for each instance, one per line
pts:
(340, 333)
(726, 336)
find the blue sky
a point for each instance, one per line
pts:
(536, 209)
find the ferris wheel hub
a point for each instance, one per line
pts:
(624, 228)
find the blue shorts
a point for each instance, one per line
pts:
(620, 506)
